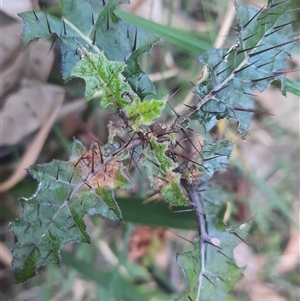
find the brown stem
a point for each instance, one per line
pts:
(197, 208)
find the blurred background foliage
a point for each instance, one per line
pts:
(137, 260)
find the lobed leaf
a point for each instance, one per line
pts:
(210, 269)
(94, 25)
(144, 113)
(214, 156)
(53, 216)
(172, 191)
(156, 163)
(103, 75)
(257, 59)
(160, 170)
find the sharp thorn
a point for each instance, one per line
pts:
(265, 64)
(191, 107)
(234, 233)
(35, 15)
(247, 49)
(275, 4)
(135, 41)
(93, 20)
(223, 70)
(52, 44)
(222, 279)
(64, 27)
(219, 251)
(173, 109)
(107, 21)
(208, 279)
(47, 21)
(270, 48)
(214, 92)
(255, 15)
(245, 67)
(208, 241)
(245, 39)
(94, 38)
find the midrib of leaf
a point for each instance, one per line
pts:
(188, 43)
(75, 189)
(245, 61)
(52, 220)
(211, 94)
(64, 204)
(107, 85)
(82, 35)
(200, 278)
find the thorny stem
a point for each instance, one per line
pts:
(197, 208)
(201, 224)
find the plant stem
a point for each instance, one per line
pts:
(197, 208)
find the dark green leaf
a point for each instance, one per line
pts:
(256, 60)
(214, 156)
(53, 216)
(210, 271)
(93, 25)
(156, 214)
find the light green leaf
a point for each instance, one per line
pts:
(166, 164)
(122, 181)
(103, 75)
(160, 172)
(144, 113)
(172, 190)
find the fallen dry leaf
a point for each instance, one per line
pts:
(25, 110)
(12, 8)
(6, 256)
(32, 152)
(11, 43)
(12, 75)
(34, 62)
(41, 58)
